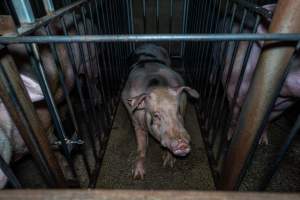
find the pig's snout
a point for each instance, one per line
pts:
(180, 147)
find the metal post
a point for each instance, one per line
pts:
(21, 110)
(268, 79)
(48, 5)
(24, 11)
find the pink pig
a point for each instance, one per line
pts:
(290, 89)
(155, 97)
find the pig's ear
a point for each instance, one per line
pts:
(137, 102)
(189, 90)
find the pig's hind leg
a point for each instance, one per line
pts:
(141, 138)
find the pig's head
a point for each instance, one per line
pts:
(164, 110)
(150, 51)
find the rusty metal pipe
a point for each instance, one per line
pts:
(265, 87)
(18, 104)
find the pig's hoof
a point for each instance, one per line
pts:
(139, 171)
(264, 140)
(168, 159)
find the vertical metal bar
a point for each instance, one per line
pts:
(4, 167)
(24, 11)
(107, 50)
(105, 78)
(89, 72)
(228, 77)
(62, 80)
(81, 98)
(171, 23)
(12, 12)
(101, 83)
(18, 104)
(157, 16)
(25, 15)
(283, 151)
(184, 23)
(40, 71)
(48, 5)
(268, 79)
(144, 15)
(131, 22)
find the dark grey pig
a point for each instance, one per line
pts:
(155, 97)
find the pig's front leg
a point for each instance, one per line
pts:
(168, 158)
(141, 138)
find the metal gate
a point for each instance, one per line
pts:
(94, 39)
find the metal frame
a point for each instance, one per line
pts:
(199, 34)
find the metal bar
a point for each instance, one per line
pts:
(105, 78)
(24, 11)
(36, 61)
(184, 24)
(59, 64)
(254, 8)
(105, 51)
(171, 23)
(49, 7)
(81, 98)
(268, 79)
(283, 151)
(18, 104)
(4, 167)
(12, 12)
(152, 38)
(29, 28)
(144, 15)
(157, 16)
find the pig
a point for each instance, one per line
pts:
(289, 92)
(155, 98)
(12, 146)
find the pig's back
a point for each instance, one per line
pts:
(142, 77)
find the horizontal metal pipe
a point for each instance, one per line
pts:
(151, 37)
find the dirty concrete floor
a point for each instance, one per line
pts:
(190, 173)
(287, 178)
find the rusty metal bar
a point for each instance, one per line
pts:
(140, 194)
(268, 79)
(18, 104)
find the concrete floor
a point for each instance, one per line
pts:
(191, 173)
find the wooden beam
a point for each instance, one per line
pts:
(7, 25)
(137, 195)
(21, 110)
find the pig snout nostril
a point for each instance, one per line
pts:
(183, 146)
(180, 147)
